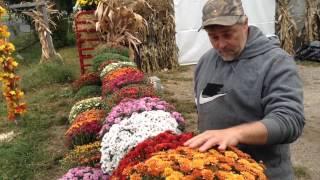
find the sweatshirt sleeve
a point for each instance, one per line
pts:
(282, 100)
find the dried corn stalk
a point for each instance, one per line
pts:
(159, 49)
(119, 24)
(312, 21)
(287, 30)
(42, 22)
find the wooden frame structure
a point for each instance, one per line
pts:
(87, 38)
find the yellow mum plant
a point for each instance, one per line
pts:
(9, 79)
(190, 164)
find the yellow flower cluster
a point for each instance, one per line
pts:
(4, 33)
(189, 164)
(7, 74)
(83, 3)
(2, 11)
(85, 155)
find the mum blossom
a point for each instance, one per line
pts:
(122, 137)
(128, 106)
(84, 173)
(84, 105)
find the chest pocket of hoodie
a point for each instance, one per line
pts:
(215, 112)
(232, 108)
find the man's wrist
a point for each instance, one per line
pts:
(251, 133)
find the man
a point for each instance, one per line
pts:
(248, 92)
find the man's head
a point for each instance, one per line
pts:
(227, 27)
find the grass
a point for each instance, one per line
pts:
(38, 146)
(301, 172)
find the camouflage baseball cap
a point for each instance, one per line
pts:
(222, 12)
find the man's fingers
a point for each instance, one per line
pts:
(196, 141)
(187, 143)
(208, 144)
(222, 146)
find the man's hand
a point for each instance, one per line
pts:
(250, 133)
(211, 138)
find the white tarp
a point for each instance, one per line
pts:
(188, 14)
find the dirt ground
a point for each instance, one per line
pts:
(305, 151)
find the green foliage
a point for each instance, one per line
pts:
(45, 74)
(105, 57)
(28, 47)
(83, 139)
(88, 91)
(124, 51)
(63, 35)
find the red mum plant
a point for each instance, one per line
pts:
(85, 127)
(85, 80)
(134, 91)
(121, 77)
(164, 141)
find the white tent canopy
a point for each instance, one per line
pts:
(188, 14)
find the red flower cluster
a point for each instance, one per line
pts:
(135, 91)
(85, 80)
(85, 127)
(145, 150)
(121, 77)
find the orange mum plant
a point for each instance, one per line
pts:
(85, 127)
(190, 164)
(9, 79)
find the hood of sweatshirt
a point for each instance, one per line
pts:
(258, 43)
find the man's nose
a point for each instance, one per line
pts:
(221, 44)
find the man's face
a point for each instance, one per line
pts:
(229, 41)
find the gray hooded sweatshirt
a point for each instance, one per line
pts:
(261, 85)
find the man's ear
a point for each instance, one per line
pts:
(246, 23)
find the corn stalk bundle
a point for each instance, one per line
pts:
(119, 24)
(42, 24)
(159, 49)
(312, 21)
(287, 31)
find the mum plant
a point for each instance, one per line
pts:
(84, 155)
(85, 127)
(8, 77)
(113, 66)
(124, 136)
(120, 78)
(84, 173)
(129, 106)
(84, 105)
(145, 150)
(132, 91)
(190, 164)
(85, 80)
